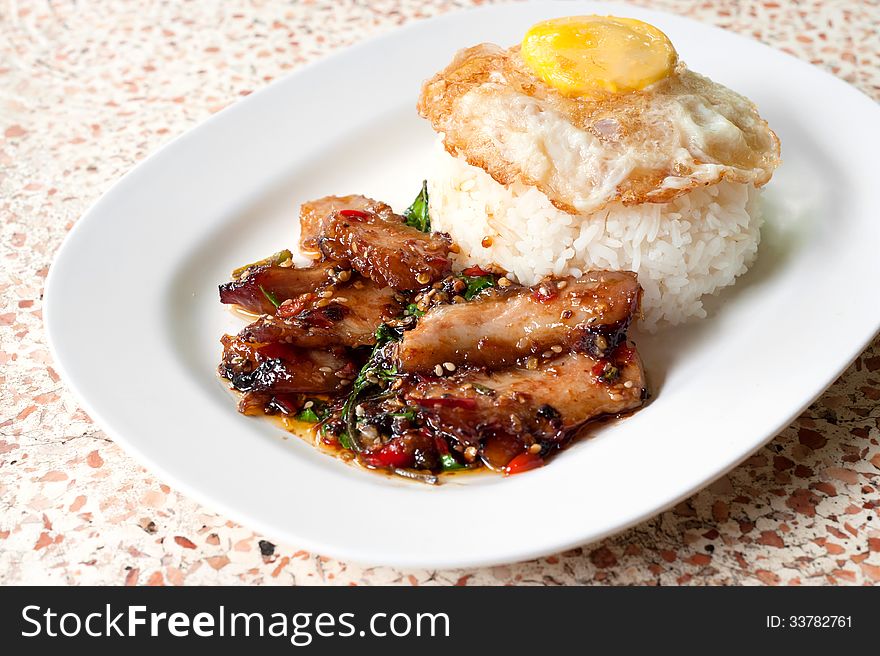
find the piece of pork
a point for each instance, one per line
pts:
(313, 213)
(253, 291)
(374, 241)
(347, 316)
(284, 369)
(504, 413)
(589, 314)
(387, 251)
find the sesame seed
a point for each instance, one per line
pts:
(556, 348)
(340, 374)
(308, 404)
(438, 370)
(547, 354)
(470, 453)
(615, 397)
(449, 366)
(504, 282)
(535, 448)
(344, 275)
(325, 370)
(354, 247)
(543, 291)
(628, 384)
(322, 303)
(341, 299)
(458, 299)
(601, 343)
(562, 284)
(286, 302)
(326, 294)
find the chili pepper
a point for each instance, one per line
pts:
(354, 214)
(390, 455)
(523, 462)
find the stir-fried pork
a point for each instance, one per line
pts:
(415, 369)
(378, 244)
(284, 369)
(346, 316)
(505, 412)
(254, 291)
(588, 314)
(313, 214)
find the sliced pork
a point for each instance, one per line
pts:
(588, 314)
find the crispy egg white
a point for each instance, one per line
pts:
(647, 135)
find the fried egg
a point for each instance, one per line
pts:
(596, 109)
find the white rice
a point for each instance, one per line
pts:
(694, 245)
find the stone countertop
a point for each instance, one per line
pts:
(89, 89)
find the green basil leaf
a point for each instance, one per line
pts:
(416, 215)
(449, 463)
(269, 295)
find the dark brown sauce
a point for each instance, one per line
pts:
(308, 432)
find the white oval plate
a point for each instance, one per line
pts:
(134, 319)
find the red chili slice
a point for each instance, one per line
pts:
(277, 351)
(392, 454)
(544, 298)
(522, 463)
(288, 404)
(354, 214)
(623, 353)
(295, 306)
(476, 270)
(441, 445)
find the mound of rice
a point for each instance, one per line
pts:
(681, 250)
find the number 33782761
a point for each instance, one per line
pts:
(809, 622)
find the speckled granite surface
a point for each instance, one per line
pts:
(89, 89)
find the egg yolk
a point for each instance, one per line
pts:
(595, 55)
